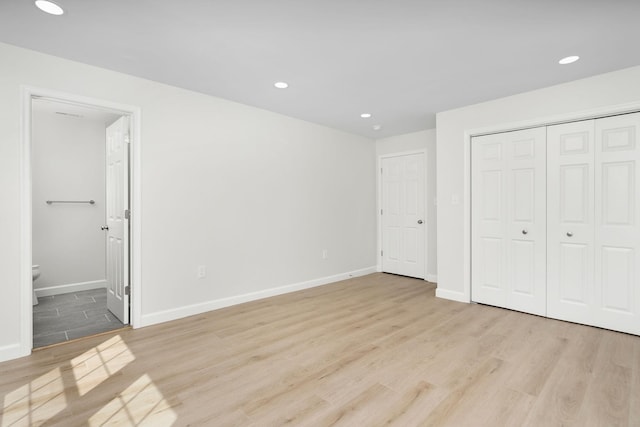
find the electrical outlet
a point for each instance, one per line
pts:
(202, 271)
(325, 254)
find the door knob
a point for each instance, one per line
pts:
(419, 221)
(524, 232)
(569, 234)
(104, 227)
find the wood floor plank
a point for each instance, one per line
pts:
(535, 366)
(467, 391)
(377, 350)
(607, 398)
(413, 406)
(562, 396)
(506, 408)
(361, 410)
(304, 410)
(634, 397)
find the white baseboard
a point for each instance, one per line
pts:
(451, 295)
(13, 351)
(190, 310)
(71, 287)
(433, 278)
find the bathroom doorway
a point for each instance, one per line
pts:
(80, 219)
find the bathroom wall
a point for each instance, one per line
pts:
(68, 164)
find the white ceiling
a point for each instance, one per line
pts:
(401, 60)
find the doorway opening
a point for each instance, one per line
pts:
(78, 238)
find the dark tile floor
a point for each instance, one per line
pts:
(64, 317)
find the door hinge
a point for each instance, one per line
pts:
(380, 211)
(127, 138)
(127, 290)
(127, 214)
(381, 253)
(380, 171)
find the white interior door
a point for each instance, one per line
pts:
(570, 261)
(509, 220)
(617, 233)
(403, 221)
(117, 155)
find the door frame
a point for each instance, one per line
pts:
(574, 116)
(27, 94)
(379, 207)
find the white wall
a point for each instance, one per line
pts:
(531, 108)
(68, 163)
(253, 195)
(423, 140)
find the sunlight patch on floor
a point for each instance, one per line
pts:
(93, 367)
(140, 404)
(42, 400)
(36, 402)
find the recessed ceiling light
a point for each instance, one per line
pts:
(365, 115)
(49, 7)
(377, 127)
(281, 85)
(568, 60)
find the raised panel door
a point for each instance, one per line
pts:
(403, 225)
(117, 201)
(527, 234)
(489, 166)
(508, 220)
(570, 221)
(617, 223)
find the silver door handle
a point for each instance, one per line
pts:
(419, 221)
(569, 234)
(524, 232)
(104, 227)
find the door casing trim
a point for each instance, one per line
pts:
(27, 94)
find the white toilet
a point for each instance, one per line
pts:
(35, 273)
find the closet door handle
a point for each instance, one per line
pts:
(569, 234)
(525, 232)
(104, 227)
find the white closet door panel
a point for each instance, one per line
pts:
(490, 271)
(570, 221)
(573, 274)
(617, 231)
(509, 220)
(489, 220)
(523, 269)
(527, 220)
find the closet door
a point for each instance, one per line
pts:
(570, 221)
(509, 220)
(617, 231)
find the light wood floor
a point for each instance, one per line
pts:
(371, 351)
